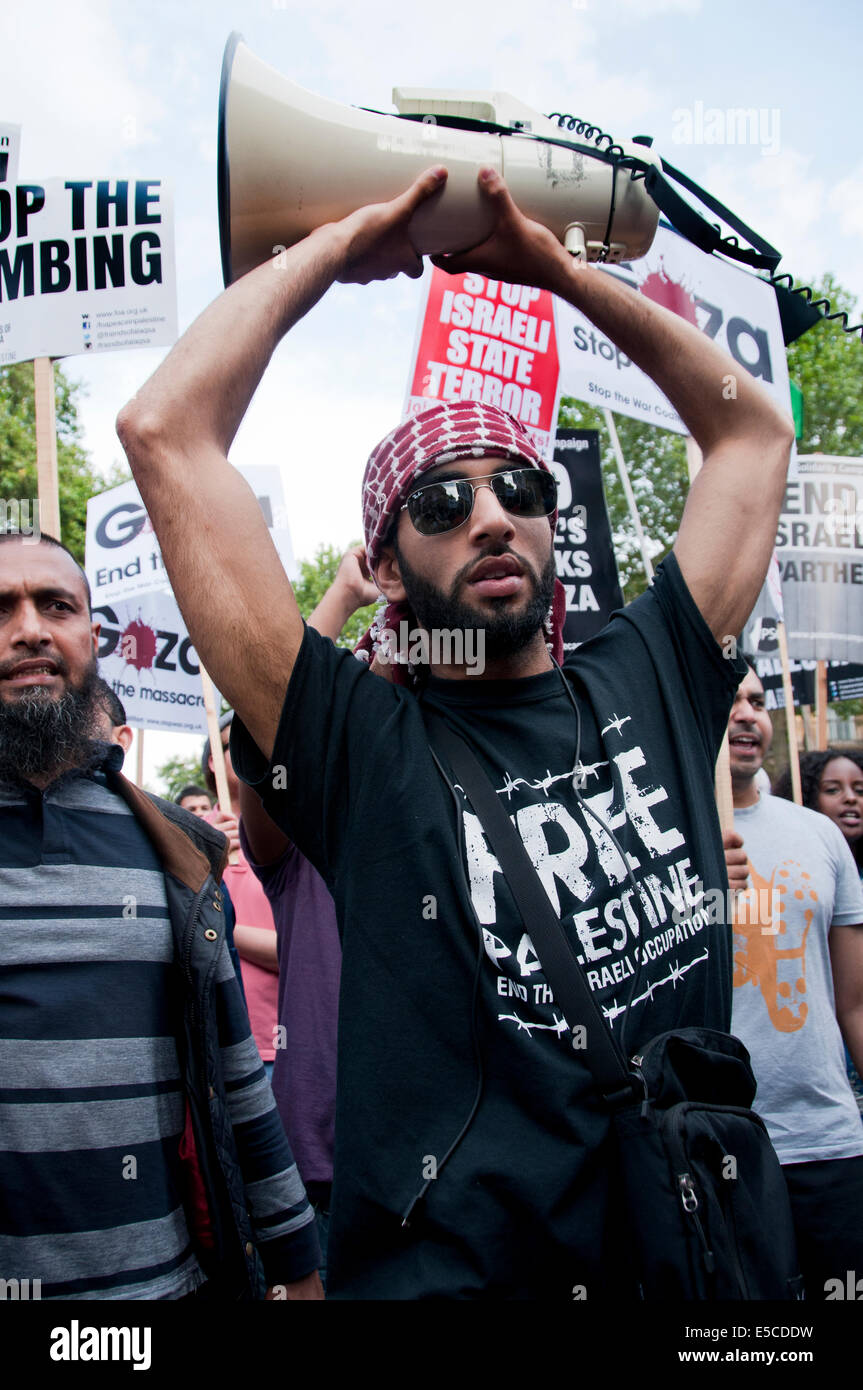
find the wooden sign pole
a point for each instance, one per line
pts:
(139, 757)
(46, 447)
(821, 705)
(629, 494)
(790, 721)
(220, 772)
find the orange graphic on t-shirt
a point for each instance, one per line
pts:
(778, 972)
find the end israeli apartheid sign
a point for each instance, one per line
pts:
(86, 265)
(483, 340)
(819, 544)
(737, 310)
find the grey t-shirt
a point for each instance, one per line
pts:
(804, 881)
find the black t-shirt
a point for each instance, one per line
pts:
(439, 1029)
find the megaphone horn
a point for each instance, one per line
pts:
(290, 161)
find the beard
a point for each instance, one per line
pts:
(507, 631)
(41, 734)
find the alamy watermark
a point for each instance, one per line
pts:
(20, 1290)
(736, 125)
(741, 907)
(438, 646)
(19, 516)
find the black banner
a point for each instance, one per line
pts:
(844, 678)
(583, 550)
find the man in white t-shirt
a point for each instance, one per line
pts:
(798, 990)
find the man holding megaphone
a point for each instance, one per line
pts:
(472, 1155)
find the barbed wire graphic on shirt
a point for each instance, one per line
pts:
(616, 722)
(579, 770)
(676, 972)
(524, 1025)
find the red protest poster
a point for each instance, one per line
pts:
(483, 340)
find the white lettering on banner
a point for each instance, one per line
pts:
(86, 266)
(456, 384)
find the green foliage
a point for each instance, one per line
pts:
(656, 460)
(827, 365)
(77, 479)
(316, 576)
(176, 772)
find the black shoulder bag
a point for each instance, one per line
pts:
(705, 1200)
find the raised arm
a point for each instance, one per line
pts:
(728, 528)
(224, 570)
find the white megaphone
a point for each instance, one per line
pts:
(290, 161)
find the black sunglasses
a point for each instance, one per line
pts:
(440, 507)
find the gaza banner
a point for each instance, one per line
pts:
(145, 651)
(736, 309)
(122, 555)
(146, 656)
(484, 340)
(819, 543)
(86, 265)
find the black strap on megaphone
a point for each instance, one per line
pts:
(689, 223)
(703, 234)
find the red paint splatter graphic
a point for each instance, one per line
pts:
(138, 646)
(670, 294)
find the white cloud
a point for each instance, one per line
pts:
(846, 199)
(646, 9)
(780, 197)
(75, 88)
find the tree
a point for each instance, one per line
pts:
(176, 772)
(656, 460)
(77, 478)
(827, 365)
(316, 576)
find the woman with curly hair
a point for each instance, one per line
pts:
(832, 783)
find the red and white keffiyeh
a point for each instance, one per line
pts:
(441, 434)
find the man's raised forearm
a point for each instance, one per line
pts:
(687, 366)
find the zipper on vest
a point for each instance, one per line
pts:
(187, 953)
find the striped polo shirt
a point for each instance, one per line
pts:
(92, 1106)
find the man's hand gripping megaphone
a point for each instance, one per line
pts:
(520, 251)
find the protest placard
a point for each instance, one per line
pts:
(483, 340)
(583, 549)
(123, 558)
(86, 265)
(736, 309)
(146, 656)
(819, 543)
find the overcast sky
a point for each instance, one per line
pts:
(108, 88)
